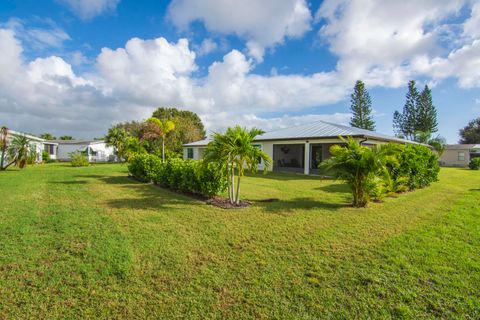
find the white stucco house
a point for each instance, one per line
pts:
(96, 150)
(35, 142)
(301, 148)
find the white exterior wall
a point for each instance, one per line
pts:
(104, 152)
(267, 147)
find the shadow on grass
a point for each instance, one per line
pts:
(285, 206)
(474, 190)
(335, 188)
(280, 176)
(144, 195)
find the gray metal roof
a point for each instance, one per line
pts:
(315, 130)
(76, 142)
(461, 146)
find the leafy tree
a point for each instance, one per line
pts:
(66, 138)
(117, 137)
(405, 123)
(361, 107)
(48, 136)
(233, 152)
(188, 127)
(470, 134)
(134, 128)
(358, 166)
(427, 114)
(155, 130)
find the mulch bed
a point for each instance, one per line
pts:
(224, 203)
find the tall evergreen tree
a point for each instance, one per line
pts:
(427, 114)
(361, 108)
(405, 123)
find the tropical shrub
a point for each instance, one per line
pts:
(376, 172)
(144, 166)
(79, 159)
(358, 166)
(46, 156)
(474, 164)
(419, 165)
(188, 176)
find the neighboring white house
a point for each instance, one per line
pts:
(96, 150)
(459, 155)
(301, 148)
(36, 143)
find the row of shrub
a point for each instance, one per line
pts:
(188, 176)
(474, 164)
(383, 170)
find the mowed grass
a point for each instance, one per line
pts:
(92, 243)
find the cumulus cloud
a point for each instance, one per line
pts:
(88, 9)
(262, 24)
(129, 82)
(382, 41)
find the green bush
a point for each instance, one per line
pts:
(186, 176)
(418, 164)
(144, 166)
(45, 156)
(474, 164)
(78, 159)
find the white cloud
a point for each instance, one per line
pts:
(383, 41)
(207, 46)
(88, 9)
(38, 38)
(262, 24)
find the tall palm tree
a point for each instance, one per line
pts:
(235, 153)
(156, 129)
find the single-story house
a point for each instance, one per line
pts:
(459, 155)
(301, 148)
(36, 143)
(96, 150)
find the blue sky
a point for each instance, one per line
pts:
(78, 66)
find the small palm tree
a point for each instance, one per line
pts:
(235, 153)
(20, 150)
(158, 129)
(358, 166)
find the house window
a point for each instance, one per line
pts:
(50, 148)
(461, 156)
(189, 153)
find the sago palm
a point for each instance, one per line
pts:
(358, 166)
(19, 150)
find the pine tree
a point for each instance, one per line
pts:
(361, 108)
(405, 123)
(427, 113)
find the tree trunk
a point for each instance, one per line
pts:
(229, 186)
(237, 197)
(163, 150)
(232, 196)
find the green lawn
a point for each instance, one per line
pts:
(91, 243)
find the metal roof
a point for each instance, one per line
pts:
(76, 142)
(315, 130)
(461, 146)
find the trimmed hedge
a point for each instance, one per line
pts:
(188, 176)
(474, 164)
(419, 165)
